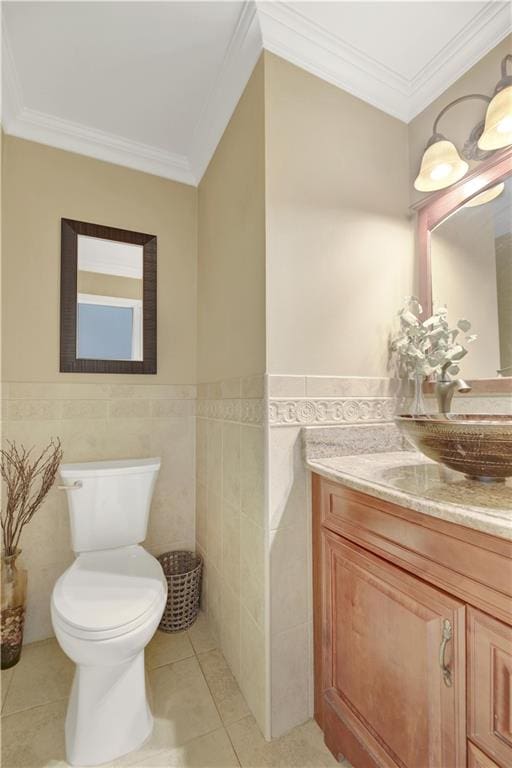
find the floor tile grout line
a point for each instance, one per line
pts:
(6, 715)
(239, 759)
(167, 663)
(224, 725)
(4, 703)
(220, 716)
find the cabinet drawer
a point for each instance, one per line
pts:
(490, 686)
(473, 566)
(477, 759)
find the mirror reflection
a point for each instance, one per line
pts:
(471, 258)
(109, 299)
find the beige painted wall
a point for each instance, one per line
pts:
(504, 284)
(231, 261)
(41, 185)
(100, 284)
(458, 122)
(339, 243)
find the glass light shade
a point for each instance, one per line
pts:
(486, 196)
(441, 166)
(498, 121)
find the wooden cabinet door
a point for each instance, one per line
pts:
(389, 681)
(477, 759)
(490, 686)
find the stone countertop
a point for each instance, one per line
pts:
(409, 479)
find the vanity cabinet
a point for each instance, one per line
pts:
(477, 759)
(490, 686)
(413, 636)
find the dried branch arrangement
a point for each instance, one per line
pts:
(28, 478)
(430, 346)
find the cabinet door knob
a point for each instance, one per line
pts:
(446, 636)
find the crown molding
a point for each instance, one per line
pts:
(242, 53)
(281, 29)
(296, 38)
(84, 140)
(485, 31)
(30, 124)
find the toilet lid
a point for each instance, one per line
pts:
(106, 590)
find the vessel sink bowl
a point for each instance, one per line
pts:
(478, 445)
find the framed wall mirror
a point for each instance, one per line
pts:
(108, 299)
(465, 250)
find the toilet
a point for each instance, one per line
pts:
(106, 607)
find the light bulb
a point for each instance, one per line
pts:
(505, 125)
(498, 122)
(441, 171)
(441, 165)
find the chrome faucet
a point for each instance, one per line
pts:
(445, 388)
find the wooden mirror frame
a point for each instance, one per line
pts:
(69, 363)
(434, 209)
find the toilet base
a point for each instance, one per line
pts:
(108, 713)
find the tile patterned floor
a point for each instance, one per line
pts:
(201, 718)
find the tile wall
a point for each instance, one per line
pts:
(295, 402)
(231, 527)
(102, 421)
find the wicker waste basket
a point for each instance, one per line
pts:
(183, 571)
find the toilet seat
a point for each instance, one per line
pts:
(109, 593)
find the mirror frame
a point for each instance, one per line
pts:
(434, 209)
(69, 363)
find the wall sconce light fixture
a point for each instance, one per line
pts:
(442, 165)
(498, 120)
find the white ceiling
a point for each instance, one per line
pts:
(152, 85)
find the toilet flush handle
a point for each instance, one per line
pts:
(73, 487)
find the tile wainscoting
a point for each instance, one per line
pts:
(293, 403)
(230, 527)
(97, 421)
(251, 500)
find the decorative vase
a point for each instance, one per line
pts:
(14, 595)
(418, 403)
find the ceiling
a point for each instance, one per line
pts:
(152, 85)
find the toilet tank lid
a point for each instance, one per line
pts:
(103, 468)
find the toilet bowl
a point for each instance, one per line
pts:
(106, 607)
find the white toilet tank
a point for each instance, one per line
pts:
(109, 501)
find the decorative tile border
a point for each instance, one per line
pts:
(65, 390)
(63, 401)
(244, 411)
(323, 411)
